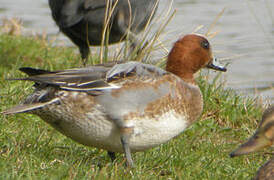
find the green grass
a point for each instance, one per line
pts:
(31, 149)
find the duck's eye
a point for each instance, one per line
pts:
(205, 44)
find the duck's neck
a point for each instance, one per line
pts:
(185, 76)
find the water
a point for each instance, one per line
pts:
(246, 33)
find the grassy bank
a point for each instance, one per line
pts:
(31, 149)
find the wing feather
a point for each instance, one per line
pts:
(95, 78)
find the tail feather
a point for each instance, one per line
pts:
(28, 107)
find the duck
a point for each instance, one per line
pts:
(83, 21)
(263, 137)
(123, 107)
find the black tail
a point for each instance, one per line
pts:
(32, 72)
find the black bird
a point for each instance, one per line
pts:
(83, 20)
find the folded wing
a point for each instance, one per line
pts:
(93, 78)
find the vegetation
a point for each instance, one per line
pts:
(31, 149)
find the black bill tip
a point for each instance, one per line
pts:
(217, 68)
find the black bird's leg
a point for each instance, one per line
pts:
(84, 50)
(111, 155)
(124, 29)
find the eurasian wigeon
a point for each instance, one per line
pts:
(123, 107)
(263, 137)
(83, 20)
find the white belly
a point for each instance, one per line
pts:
(152, 132)
(97, 131)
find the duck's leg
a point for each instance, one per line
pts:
(125, 136)
(111, 155)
